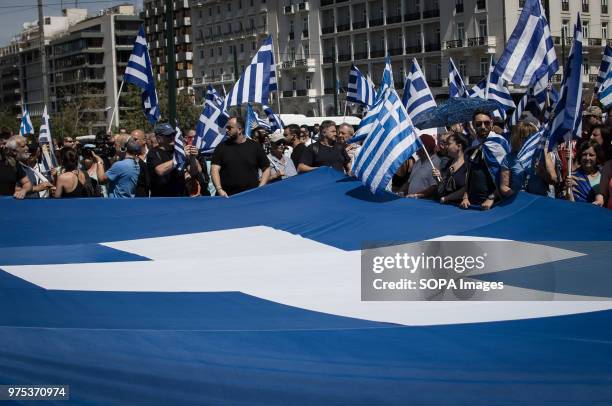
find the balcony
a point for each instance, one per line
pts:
(288, 93)
(184, 56)
(481, 41)
(456, 43)
(359, 24)
(434, 82)
(433, 47)
(394, 19)
(301, 92)
(217, 79)
(559, 40)
(326, 3)
(344, 57)
(412, 16)
(414, 49)
(395, 51)
(431, 13)
(375, 53)
(303, 6)
(327, 30)
(594, 42)
(376, 22)
(360, 55)
(328, 59)
(343, 27)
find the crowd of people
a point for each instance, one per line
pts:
(450, 167)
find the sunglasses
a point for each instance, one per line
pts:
(481, 123)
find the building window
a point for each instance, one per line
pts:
(212, 52)
(210, 12)
(585, 29)
(253, 45)
(218, 9)
(308, 82)
(484, 66)
(564, 28)
(460, 31)
(604, 6)
(293, 83)
(241, 47)
(604, 31)
(306, 51)
(229, 6)
(462, 68)
(47, 20)
(220, 51)
(292, 54)
(458, 6)
(585, 6)
(585, 67)
(240, 4)
(482, 28)
(481, 4)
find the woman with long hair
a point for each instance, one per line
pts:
(583, 184)
(72, 182)
(513, 173)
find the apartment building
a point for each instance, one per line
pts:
(88, 62)
(154, 16)
(10, 87)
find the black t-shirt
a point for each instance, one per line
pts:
(480, 183)
(317, 154)
(9, 177)
(169, 185)
(297, 153)
(451, 182)
(239, 165)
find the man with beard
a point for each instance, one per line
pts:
(237, 161)
(325, 152)
(166, 179)
(13, 178)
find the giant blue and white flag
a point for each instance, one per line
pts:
(567, 120)
(417, 97)
(257, 80)
(139, 72)
(26, 126)
(274, 120)
(456, 86)
(360, 90)
(530, 51)
(49, 161)
(392, 141)
(210, 129)
(604, 68)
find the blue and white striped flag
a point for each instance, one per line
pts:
(253, 121)
(604, 68)
(567, 120)
(493, 87)
(417, 97)
(49, 161)
(360, 90)
(387, 78)
(456, 87)
(274, 119)
(520, 108)
(210, 130)
(257, 80)
(605, 94)
(392, 142)
(139, 72)
(26, 126)
(532, 147)
(530, 51)
(180, 158)
(495, 149)
(368, 123)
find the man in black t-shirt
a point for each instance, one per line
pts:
(166, 180)
(237, 161)
(325, 152)
(11, 171)
(293, 138)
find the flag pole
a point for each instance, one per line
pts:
(115, 108)
(345, 107)
(431, 162)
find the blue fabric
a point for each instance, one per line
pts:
(517, 172)
(231, 348)
(123, 177)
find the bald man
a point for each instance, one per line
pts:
(139, 137)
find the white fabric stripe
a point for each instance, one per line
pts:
(521, 47)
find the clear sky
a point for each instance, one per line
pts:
(13, 13)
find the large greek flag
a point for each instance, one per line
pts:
(26, 126)
(139, 72)
(257, 80)
(392, 141)
(274, 119)
(360, 90)
(417, 97)
(604, 68)
(49, 161)
(530, 52)
(567, 120)
(493, 87)
(210, 130)
(456, 87)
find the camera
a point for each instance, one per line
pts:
(103, 145)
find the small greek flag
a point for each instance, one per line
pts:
(49, 161)
(139, 72)
(360, 89)
(417, 97)
(210, 129)
(604, 68)
(274, 119)
(180, 158)
(456, 87)
(26, 126)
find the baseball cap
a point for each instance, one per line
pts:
(164, 129)
(592, 111)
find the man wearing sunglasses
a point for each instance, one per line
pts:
(481, 188)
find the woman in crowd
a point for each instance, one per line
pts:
(600, 134)
(72, 182)
(454, 173)
(583, 184)
(512, 172)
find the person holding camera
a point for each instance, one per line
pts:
(123, 174)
